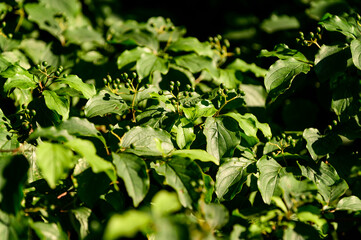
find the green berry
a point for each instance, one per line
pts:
(134, 74)
(125, 75)
(105, 81)
(329, 127)
(171, 83)
(188, 87)
(44, 63)
(334, 122)
(33, 112)
(178, 83)
(160, 92)
(312, 35)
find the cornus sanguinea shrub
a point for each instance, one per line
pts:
(114, 129)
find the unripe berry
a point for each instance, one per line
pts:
(178, 83)
(44, 63)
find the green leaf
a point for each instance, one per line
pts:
(133, 170)
(13, 176)
(57, 103)
(332, 193)
(243, 66)
(351, 203)
(82, 215)
(340, 24)
(355, 47)
(69, 7)
(196, 63)
(18, 77)
(45, 18)
(127, 224)
(75, 82)
(39, 51)
(183, 175)
(216, 215)
(331, 60)
(185, 133)
(269, 175)
(310, 213)
(4, 64)
(231, 176)
(320, 173)
(222, 136)
(80, 35)
(105, 103)
(131, 56)
(202, 108)
(143, 141)
(51, 133)
(319, 145)
(195, 154)
(191, 44)
(250, 124)
(87, 150)
(165, 203)
(150, 63)
(228, 78)
(81, 127)
(54, 161)
(279, 23)
(48, 231)
(281, 74)
(282, 51)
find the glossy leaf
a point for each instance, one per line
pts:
(331, 60)
(75, 82)
(149, 63)
(216, 215)
(281, 74)
(185, 133)
(319, 145)
(126, 224)
(191, 44)
(221, 135)
(195, 154)
(339, 24)
(48, 231)
(143, 141)
(131, 56)
(351, 203)
(183, 175)
(165, 203)
(250, 124)
(54, 161)
(57, 103)
(87, 150)
(231, 176)
(18, 77)
(133, 171)
(355, 47)
(196, 63)
(269, 175)
(105, 103)
(81, 127)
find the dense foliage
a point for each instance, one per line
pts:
(113, 128)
